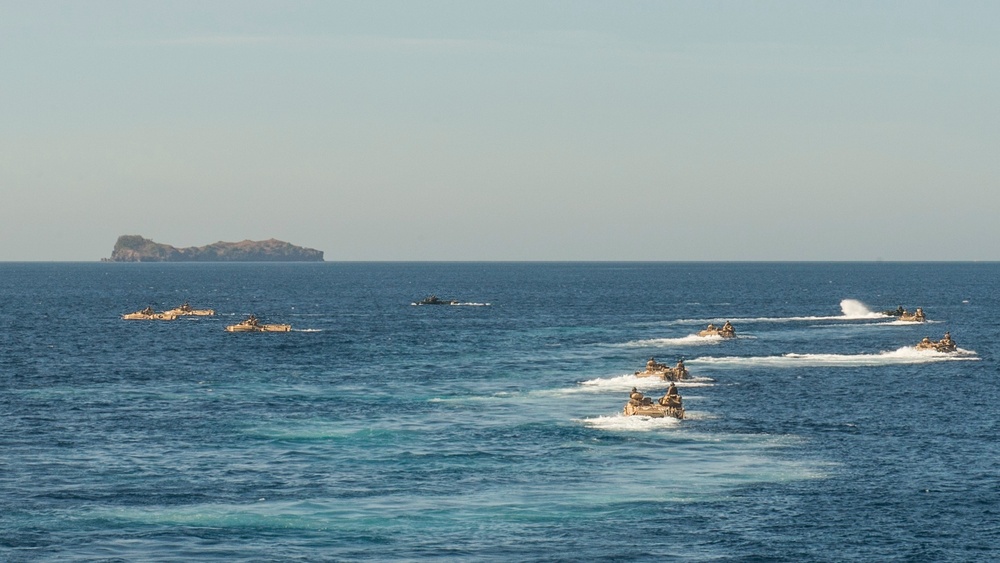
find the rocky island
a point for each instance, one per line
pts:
(134, 248)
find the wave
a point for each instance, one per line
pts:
(623, 383)
(254, 514)
(307, 330)
(629, 423)
(854, 309)
(851, 310)
(904, 355)
(689, 340)
(883, 323)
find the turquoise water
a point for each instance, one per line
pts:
(491, 430)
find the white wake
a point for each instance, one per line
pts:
(689, 340)
(904, 355)
(623, 383)
(851, 310)
(630, 423)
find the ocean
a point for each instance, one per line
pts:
(492, 430)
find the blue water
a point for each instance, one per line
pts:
(492, 430)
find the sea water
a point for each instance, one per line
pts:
(493, 429)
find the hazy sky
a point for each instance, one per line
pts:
(534, 130)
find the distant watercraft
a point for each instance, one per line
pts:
(725, 331)
(670, 405)
(252, 324)
(187, 310)
(434, 300)
(946, 344)
(148, 314)
(902, 314)
(663, 371)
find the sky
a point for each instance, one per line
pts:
(515, 130)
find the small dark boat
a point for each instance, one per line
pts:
(435, 300)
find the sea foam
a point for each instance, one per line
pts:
(904, 355)
(630, 423)
(689, 340)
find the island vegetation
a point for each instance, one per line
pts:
(135, 248)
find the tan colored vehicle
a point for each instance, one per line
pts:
(904, 315)
(663, 371)
(670, 405)
(148, 314)
(917, 317)
(654, 411)
(251, 324)
(186, 310)
(946, 344)
(725, 331)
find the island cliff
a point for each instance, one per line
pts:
(134, 248)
